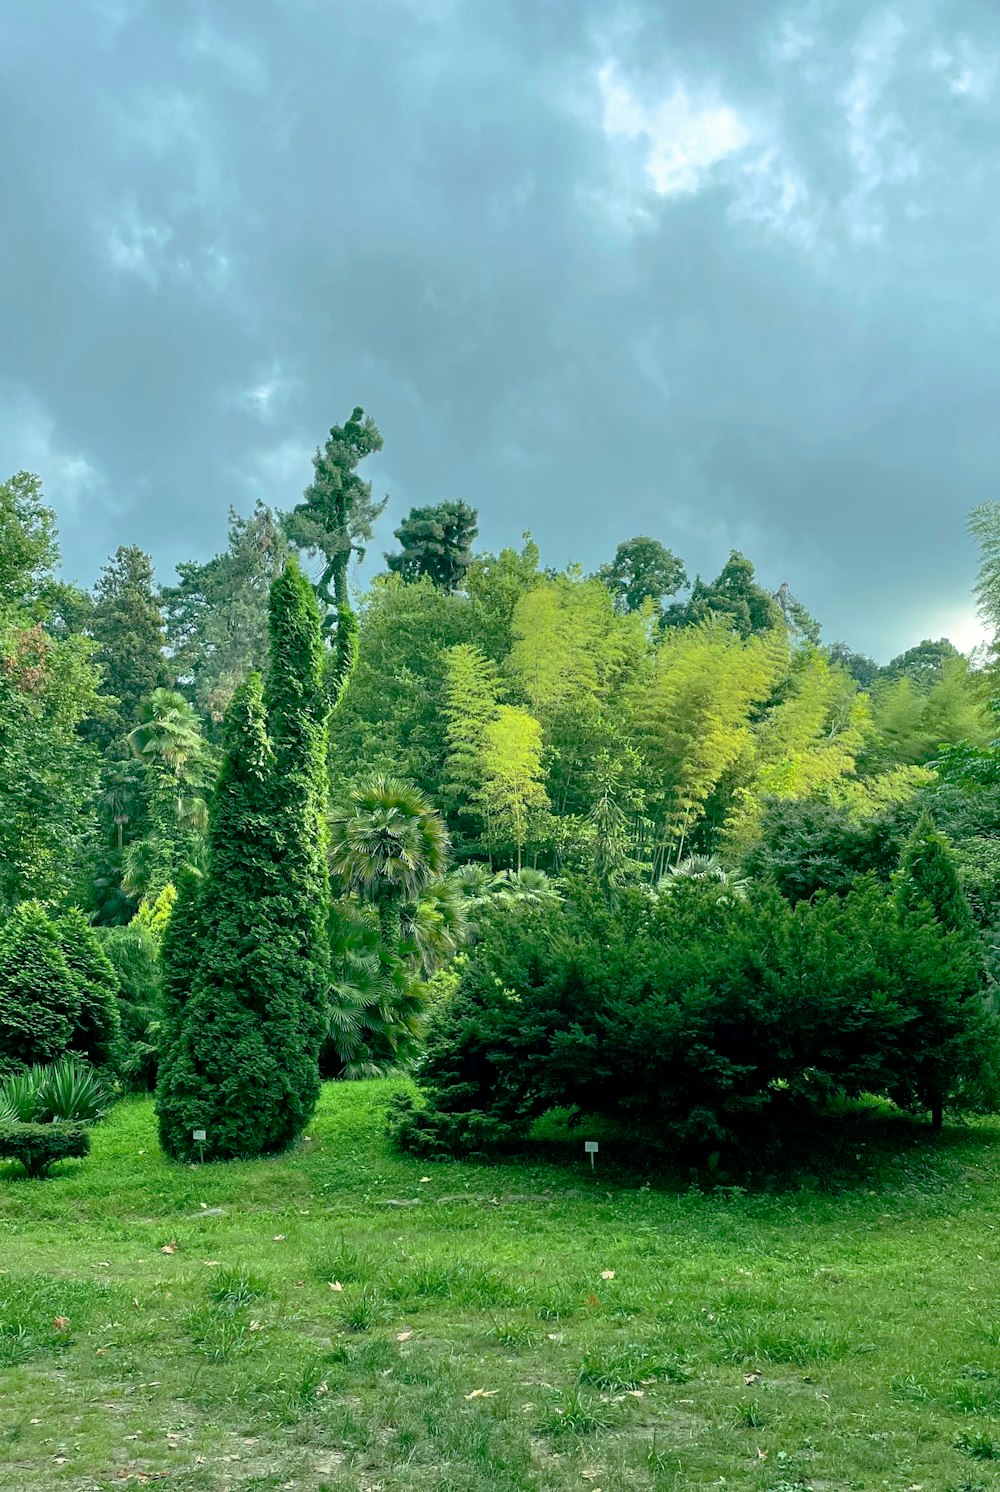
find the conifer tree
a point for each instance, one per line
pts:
(929, 878)
(297, 708)
(39, 1003)
(238, 1060)
(928, 891)
(436, 542)
(96, 1026)
(335, 519)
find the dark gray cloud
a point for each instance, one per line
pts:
(724, 273)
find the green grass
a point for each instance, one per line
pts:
(345, 1318)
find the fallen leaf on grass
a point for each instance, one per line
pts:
(278, 1238)
(482, 1393)
(635, 1393)
(751, 1378)
(60, 1323)
(336, 1285)
(169, 1248)
(403, 1336)
(423, 1179)
(211, 1263)
(593, 1300)
(607, 1274)
(256, 1326)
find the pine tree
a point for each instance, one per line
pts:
(97, 1024)
(39, 1003)
(335, 519)
(436, 542)
(128, 628)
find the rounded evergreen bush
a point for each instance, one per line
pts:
(39, 1146)
(39, 997)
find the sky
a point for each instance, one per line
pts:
(721, 272)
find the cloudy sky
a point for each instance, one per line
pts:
(720, 271)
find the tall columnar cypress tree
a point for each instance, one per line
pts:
(297, 707)
(240, 1059)
(246, 959)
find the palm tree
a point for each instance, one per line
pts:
(169, 743)
(706, 868)
(376, 1002)
(168, 739)
(389, 845)
(435, 927)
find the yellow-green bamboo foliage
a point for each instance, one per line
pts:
(691, 706)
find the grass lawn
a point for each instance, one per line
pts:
(347, 1318)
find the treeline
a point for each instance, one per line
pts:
(493, 733)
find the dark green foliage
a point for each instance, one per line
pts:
(436, 542)
(96, 1031)
(242, 989)
(135, 958)
(642, 570)
(922, 664)
(39, 1146)
(806, 847)
(377, 1002)
(127, 625)
(693, 1017)
(216, 615)
(733, 594)
(246, 962)
(929, 880)
(862, 669)
(296, 718)
(39, 1001)
(334, 520)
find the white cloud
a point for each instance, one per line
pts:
(137, 246)
(684, 136)
(240, 62)
(877, 148)
(262, 397)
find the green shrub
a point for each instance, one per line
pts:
(39, 1000)
(97, 1026)
(692, 1017)
(38, 1146)
(133, 953)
